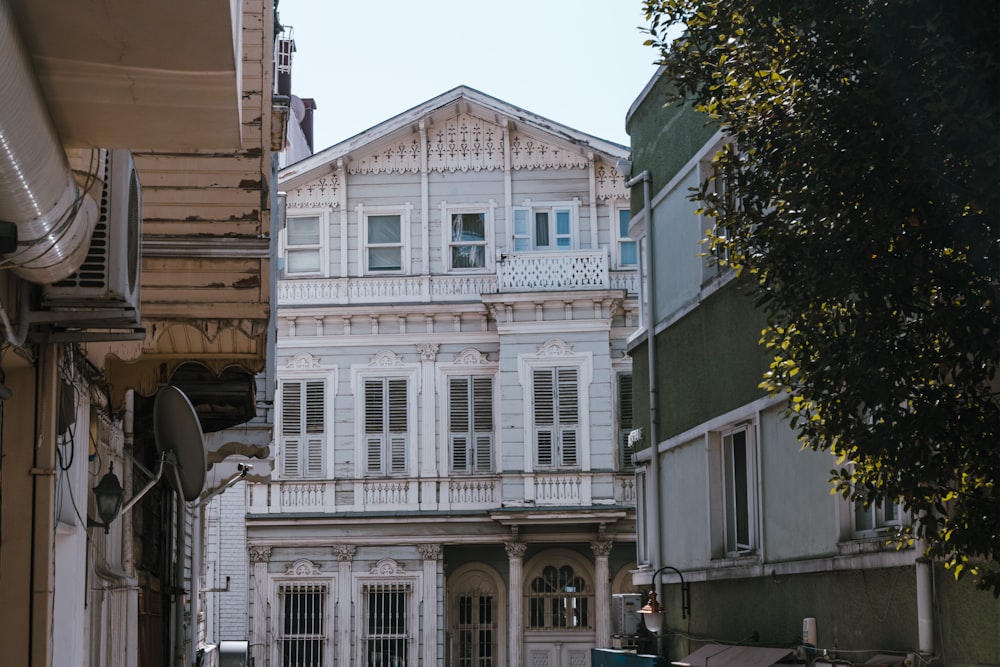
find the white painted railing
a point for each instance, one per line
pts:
(572, 489)
(516, 272)
(566, 270)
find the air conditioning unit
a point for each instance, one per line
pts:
(104, 291)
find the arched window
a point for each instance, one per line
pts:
(559, 599)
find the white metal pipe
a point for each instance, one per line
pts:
(38, 192)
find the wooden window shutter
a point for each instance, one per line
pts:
(568, 397)
(291, 427)
(625, 423)
(482, 422)
(543, 393)
(458, 422)
(374, 429)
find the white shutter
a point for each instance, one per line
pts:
(397, 454)
(568, 399)
(482, 422)
(374, 427)
(398, 419)
(543, 392)
(458, 422)
(386, 425)
(291, 427)
(315, 427)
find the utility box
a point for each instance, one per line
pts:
(625, 614)
(234, 653)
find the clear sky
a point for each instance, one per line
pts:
(580, 63)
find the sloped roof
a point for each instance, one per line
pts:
(438, 109)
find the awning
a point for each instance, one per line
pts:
(719, 655)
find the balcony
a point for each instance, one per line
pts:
(520, 272)
(440, 494)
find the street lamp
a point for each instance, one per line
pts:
(108, 495)
(652, 613)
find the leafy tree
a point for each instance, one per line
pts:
(861, 200)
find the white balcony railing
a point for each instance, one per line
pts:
(572, 489)
(516, 272)
(566, 270)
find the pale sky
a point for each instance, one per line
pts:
(580, 63)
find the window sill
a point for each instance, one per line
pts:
(867, 543)
(729, 562)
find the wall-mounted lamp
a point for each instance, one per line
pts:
(652, 613)
(108, 496)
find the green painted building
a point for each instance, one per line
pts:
(727, 496)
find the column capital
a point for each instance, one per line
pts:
(429, 551)
(428, 351)
(260, 554)
(602, 547)
(344, 552)
(515, 549)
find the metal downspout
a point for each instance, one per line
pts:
(654, 524)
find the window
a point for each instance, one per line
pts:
(559, 599)
(738, 489)
(385, 425)
(384, 243)
(476, 629)
(386, 636)
(628, 254)
(715, 260)
(549, 228)
(303, 427)
(303, 246)
(626, 450)
(303, 634)
(556, 417)
(467, 243)
(470, 419)
(876, 517)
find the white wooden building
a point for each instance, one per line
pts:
(452, 484)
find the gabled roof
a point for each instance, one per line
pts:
(457, 100)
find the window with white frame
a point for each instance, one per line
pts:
(873, 517)
(544, 228)
(470, 423)
(739, 490)
(302, 641)
(384, 242)
(303, 427)
(624, 414)
(467, 240)
(559, 599)
(628, 251)
(303, 246)
(556, 400)
(715, 262)
(386, 425)
(387, 624)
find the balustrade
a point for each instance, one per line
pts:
(574, 489)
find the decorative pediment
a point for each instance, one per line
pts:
(610, 183)
(302, 568)
(555, 348)
(386, 566)
(528, 152)
(303, 361)
(395, 158)
(324, 192)
(470, 356)
(385, 359)
(465, 143)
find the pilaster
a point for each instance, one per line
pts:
(515, 564)
(259, 558)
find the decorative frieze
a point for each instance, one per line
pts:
(303, 361)
(397, 158)
(610, 183)
(387, 567)
(385, 359)
(470, 356)
(527, 152)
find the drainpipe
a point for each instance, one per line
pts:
(38, 192)
(925, 606)
(654, 537)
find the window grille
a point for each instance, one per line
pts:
(559, 600)
(387, 639)
(303, 626)
(476, 630)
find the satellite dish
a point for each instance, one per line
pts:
(176, 429)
